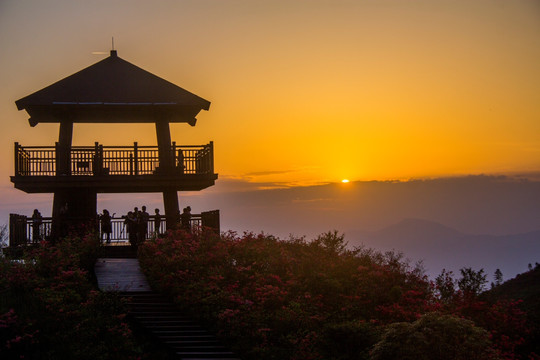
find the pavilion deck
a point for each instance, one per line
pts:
(113, 169)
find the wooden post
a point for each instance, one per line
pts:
(96, 167)
(81, 210)
(164, 145)
(64, 148)
(136, 158)
(173, 154)
(172, 210)
(57, 158)
(63, 167)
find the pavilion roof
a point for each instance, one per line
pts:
(112, 90)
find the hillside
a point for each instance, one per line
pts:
(525, 286)
(442, 247)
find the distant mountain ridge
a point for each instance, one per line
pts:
(442, 247)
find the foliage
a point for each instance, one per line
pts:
(498, 276)
(502, 317)
(445, 286)
(50, 310)
(525, 287)
(292, 299)
(434, 336)
(472, 282)
(3, 236)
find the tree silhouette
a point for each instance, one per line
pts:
(498, 277)
(445, 285)
(472, 282)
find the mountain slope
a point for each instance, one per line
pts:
(440, 246)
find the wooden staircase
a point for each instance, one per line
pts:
(184, 338)
(154, 314)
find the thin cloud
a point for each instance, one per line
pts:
(270, 172)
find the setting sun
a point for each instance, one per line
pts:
(345, 181)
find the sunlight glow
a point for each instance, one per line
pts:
(345, 181)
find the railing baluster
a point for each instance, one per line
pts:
(136, 158)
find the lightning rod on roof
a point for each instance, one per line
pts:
(112, 43)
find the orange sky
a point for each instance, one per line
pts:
(304, 91)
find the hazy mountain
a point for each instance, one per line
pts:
(440, 246)
(471, 204)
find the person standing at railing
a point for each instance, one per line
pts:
(180, 161)
(37, 220)
(106, 225)
(131, 225)
(185, 219)
(157, 223)
(144, 217)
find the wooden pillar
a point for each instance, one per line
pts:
(82, 202)
(166, 165)
(164, 145)
(73, 207)
(172, 210)
(63, 167)
(63, 148)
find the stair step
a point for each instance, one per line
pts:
(204, 353)
(151, 313)
(193, 342)
(209, 358)
(165, 319)
(180, 333)
(169, 337)
(207, 348)
(191, 328)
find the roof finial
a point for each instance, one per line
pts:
(113, 52)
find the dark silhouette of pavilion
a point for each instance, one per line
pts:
(111, 91)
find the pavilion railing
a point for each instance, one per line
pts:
(99, 160)
(22, 230)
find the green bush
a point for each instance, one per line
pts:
(434, 336)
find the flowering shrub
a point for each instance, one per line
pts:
(50, 310)
(504, 319)
(276, 299)
(287, 299)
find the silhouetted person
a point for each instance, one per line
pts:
(143, 224)
(106, 225)
(180, 159)
(157, 222)
(185, 219)
(131, 228)
(37, 220)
